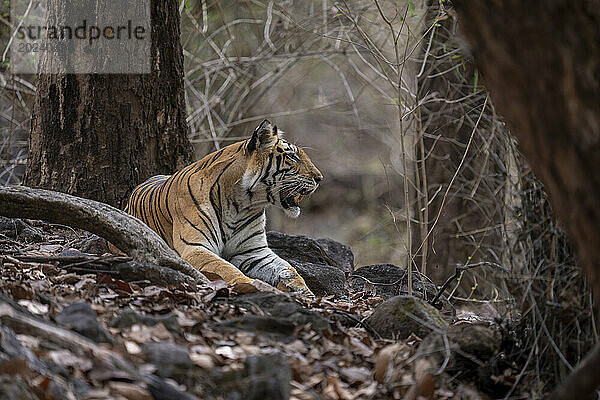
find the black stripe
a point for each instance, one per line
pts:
(268, 168)
(216, 207)
(205, 216)
(152, 207)
(200, 230)
(248, 222)
(250, 250)
(235, 225)
(251, 236)
(166, 197)
(193, 244)
(255, 263)
(281, 171)
(161, 196)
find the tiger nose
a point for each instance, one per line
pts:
(318, 178)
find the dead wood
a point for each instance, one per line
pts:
(123, 230)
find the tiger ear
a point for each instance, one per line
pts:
(265, 135)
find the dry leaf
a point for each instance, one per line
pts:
(34, 307)
(67, 359)
(129, 391)
(385, 360)
(202, 360)
(354, 375)
(105, 279)
(132, 347)
(141, 333)
(226, 351)
(335, 390)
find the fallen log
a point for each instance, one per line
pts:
(126, 232)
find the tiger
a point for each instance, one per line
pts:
(212, 212)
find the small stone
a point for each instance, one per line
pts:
(172, 360)
(400, 316)
(80, 318)
(479, 339)
(128, 317)
(93, 245)
(264, 376)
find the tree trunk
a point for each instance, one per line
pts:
(97, 135)
(541, 62)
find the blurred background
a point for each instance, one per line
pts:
(419, 169)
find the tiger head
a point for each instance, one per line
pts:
(278, 171)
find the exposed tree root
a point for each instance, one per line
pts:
(123, 230)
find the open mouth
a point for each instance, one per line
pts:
(292, 199)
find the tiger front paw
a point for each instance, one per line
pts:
(292, 282)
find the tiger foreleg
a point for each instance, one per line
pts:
(269, 267)
(213, 266)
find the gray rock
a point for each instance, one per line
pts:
(479, 339)
(173, 361)
(389, 280)
(265, 376)
(93, 244)
(468, 350)
(339, 252)
(284, 308)
(400, 316)
(11, 226)
(263, 324)
(323, 280)
(128, 317)
(321, 264)
(80, 318)
(268, 377)
(162, 390)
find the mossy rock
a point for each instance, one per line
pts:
(480, 339)
(400, 316)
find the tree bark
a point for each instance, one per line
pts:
(541, 63)
(98, 135)
(126, 232)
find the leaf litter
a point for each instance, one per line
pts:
(343, 362)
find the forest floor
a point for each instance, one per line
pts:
(76, 326)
